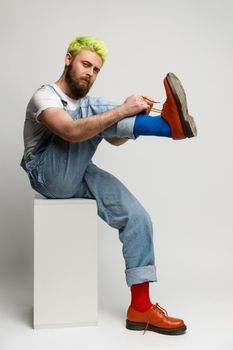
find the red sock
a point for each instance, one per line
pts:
(140, 299)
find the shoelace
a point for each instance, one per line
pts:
(156, 110)
(161, 309)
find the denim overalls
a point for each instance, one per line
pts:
(61, 169)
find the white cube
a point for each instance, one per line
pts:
(65, 262)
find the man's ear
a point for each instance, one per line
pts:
(68, 59)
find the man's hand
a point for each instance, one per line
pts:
(135, 104)
(150, 103)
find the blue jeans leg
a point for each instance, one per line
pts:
(121, 210)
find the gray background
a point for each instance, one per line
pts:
(186, 186)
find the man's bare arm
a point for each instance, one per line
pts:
(60, 122)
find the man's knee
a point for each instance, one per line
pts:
(139, 216)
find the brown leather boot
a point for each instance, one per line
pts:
(175, 109)
(155, 319)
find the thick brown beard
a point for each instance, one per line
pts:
(77, 90)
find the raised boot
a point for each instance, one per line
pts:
(175, 110)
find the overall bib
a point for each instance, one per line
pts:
(61, 169)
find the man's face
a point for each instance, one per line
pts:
(82, 72)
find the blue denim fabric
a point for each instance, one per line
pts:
(59, 169)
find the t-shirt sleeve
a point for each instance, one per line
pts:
(43, 98)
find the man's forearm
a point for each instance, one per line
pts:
(61, 124)
(84, 129)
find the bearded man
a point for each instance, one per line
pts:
(63, 128)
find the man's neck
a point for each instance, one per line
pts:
(61, 83)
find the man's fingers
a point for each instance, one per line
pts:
(136, 104)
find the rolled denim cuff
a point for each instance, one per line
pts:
(125, 128)
(141, 274)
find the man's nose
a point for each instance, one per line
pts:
(90, 71)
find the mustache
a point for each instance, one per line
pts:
(85, 79)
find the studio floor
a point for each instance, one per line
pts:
(206, 308)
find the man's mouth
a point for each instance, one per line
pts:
(86, 80)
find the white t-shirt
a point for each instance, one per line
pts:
(45, 97)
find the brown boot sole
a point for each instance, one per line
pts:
(178, 92)
(136, 326)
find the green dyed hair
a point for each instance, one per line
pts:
(88, 43)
